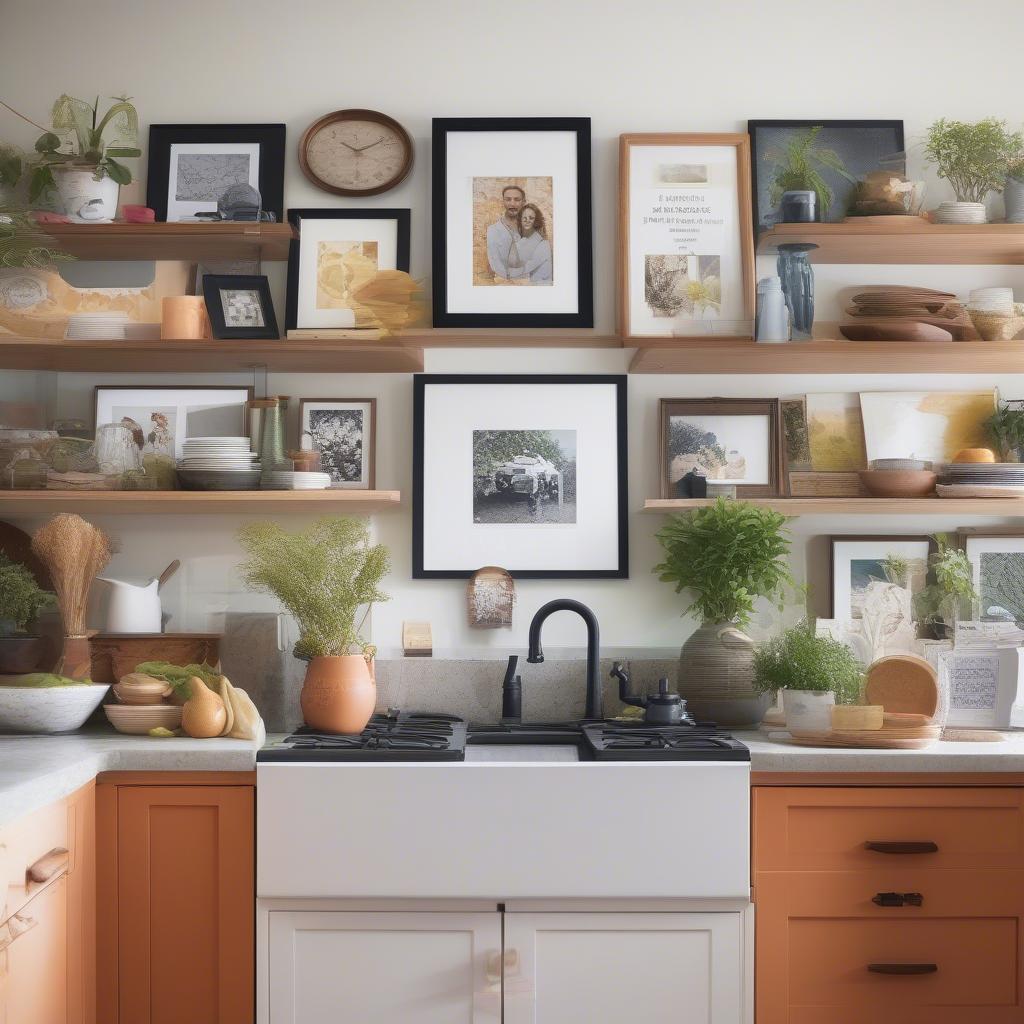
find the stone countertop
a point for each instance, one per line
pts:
(37, 770)
(1006, 755)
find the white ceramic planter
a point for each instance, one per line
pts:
(86, 200)
(961, 213)
(808, 710)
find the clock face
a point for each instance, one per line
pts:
(357, 155)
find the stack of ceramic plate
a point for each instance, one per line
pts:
(287, 480)
(982, 480)
(218, 464)
(96, 326)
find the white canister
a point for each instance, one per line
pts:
(772, 323)
(808, 710)
(133, 608)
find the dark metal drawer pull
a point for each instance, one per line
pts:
(901, 847)
(898, 899)
(903, 968)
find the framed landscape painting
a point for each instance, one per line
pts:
(526, 472)
(512, 222)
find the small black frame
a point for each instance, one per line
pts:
(584, 315)
(296, 217)
(620, 570)
(212, 286)
(271, 140)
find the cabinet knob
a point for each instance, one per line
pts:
(897, 899)
(903, 968)
(901, 846)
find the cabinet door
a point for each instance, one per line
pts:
(37, 959)
(384, 968)
(185, 904)
(610, 968)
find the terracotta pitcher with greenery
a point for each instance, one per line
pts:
(324, 576)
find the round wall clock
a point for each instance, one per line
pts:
(355, 152)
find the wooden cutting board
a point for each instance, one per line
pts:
(904, 684)
(867, 739)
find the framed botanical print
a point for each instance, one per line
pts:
(862, 566)
(344, 433)
(336, 252)
(512, 222)
(726, 440)
(162, 417)
(240, 306)
(527, 472)
(192, 165)
(686, 261)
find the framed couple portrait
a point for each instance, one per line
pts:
(512, 233)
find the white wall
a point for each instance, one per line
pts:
(644, 66)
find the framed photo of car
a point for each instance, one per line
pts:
(512, 222)
(527, 472)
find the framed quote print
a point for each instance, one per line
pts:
(512, 222)
(686, 240)
(527, 472)
(335, 253)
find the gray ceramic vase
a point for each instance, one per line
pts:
(1013, 196)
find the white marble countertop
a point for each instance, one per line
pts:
(37, 770)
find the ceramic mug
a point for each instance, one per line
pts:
(184, 317)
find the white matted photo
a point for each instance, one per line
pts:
(343, 432)
(201, 172)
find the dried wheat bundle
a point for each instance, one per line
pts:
(75, 552)
(390, 300)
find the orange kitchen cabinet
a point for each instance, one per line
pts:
(176, 893)
(899, 904)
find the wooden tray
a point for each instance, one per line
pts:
(869, 739)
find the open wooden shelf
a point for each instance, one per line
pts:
(194, 242)
(919, 242)
(209, 356)
(858, 506)
(505, 338)
(724, 355)
(333, 502)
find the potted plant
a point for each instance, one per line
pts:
(323, 576)
(942, 601)
(727, 555)
(973, 158)
(813, 673)
(1005, 429)
(1013, 189)
(21, 601)
(797, 181)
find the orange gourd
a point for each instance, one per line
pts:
(204, 714)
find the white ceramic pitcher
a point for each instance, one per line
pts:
(133, 608)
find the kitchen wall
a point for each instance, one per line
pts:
(646, 66)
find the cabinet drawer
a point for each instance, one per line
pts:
(829, 829)
(26, 842)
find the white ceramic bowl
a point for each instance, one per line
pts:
(138, 720)
(51, 709)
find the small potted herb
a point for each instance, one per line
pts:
(813, 672)
(1005, 429)
(21, 601)
(973, 158)
(950, 592)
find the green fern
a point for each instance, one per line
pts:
(798, 167)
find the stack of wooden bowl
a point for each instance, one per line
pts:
(903, 313)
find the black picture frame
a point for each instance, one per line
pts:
(271, 140)
(584, 315)
(756, 151)
(620, 570)
(402, 217)
(213, 284)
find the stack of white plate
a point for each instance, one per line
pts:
(982, 480)
(286, 480)
(96, 326)
(218, 464)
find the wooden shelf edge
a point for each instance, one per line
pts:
(856, 506)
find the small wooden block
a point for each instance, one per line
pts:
(417, 641)
(826, 485)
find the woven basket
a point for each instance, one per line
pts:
(999, 326)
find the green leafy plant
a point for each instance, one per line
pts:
(896, 568)
(21, 598)
(800, 660)
(973, 158)
(322, 575)
(23, 243)
(1005, 429)
(942, 600)
(727, 554)
(1015, 167)
(799, 166)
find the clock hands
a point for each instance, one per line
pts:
(370, 146)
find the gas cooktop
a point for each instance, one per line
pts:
(419, 736)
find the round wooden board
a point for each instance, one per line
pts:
(904, 684)
(878, 740)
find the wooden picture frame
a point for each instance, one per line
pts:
(642, 188)
(368, 479)
(701, 408)
(213, 287)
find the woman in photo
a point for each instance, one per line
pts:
(533, 246)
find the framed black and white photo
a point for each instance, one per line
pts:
(336, 252)
(192, 165)
(240, 306)
(512, 222)
(344, 432)
(527, 472)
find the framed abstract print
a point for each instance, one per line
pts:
(344, 433)
(512, 222)
(726, 440)
(686, 260)
(240, 306)
(338, 251)
(192, 165)
(997, 567)
(527, 472)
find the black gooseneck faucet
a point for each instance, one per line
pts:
(594, 710)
